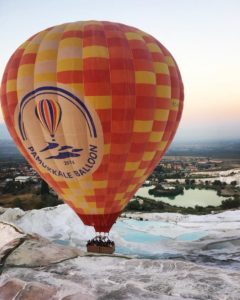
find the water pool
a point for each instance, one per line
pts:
(190, 198)
(152, 239)
(145, 239)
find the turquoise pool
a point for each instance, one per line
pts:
(145, 239)
(141, 238)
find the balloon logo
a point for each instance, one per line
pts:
(49, 114)
(117, 93)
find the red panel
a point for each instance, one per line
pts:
(101, 223)
(124, 88)
(144, 114)
(97, 88)
(28, 58)
(146, 90)
(12, 74)
(95, 63)
(120, 138)
(163, 79)
(70, 77)
(140, 54)
(121, 63)
(96, 75)
(123, 114)
(117, 41)
(72, 33)
(143, 65)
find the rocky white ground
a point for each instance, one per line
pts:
(191, 257)
(224, 176)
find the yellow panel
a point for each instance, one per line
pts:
(100, 102)
(123, 202)
(163, 145)
(154, 48)
(155, 136)
(91, 204)
(131, 188)
(100, 210)
(139, 173)
(174, 104)
(170, 61)
(106, 149)
(163, 91)
(100, 184)
(161, 114)
(69, 64)
(161, 68)
(133, 36)
(76, 87)
(73, 26)
(47, 55)
(145, 77)
(41, 34)
(32, 48)
(142, 126)
(11, 85)
(77, 198)
(95, 51)
(71, 41)
(89, 192)
(131, 166)
(148, 155)
(119, 196)
(73, 184)
(86, 183)
(80, 202)
(26, 70)
(99, 23)
(45, 77)
(68, 193)
(76, 193)
(53, 36)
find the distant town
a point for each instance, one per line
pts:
(21, 186)
(185, 165)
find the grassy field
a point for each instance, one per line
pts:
(28, 201)
(24, 200)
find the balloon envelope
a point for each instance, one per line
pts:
(111, 96)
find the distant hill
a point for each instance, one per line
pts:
(217, 149)
(4, 134)
(8, 150)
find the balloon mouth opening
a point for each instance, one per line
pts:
(101, 223)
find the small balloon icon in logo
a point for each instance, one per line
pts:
(49, 114)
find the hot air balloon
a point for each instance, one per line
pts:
(112, 97)
(49, 114)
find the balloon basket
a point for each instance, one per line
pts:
(101, 245)
(101, 249)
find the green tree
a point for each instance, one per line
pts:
(133, 205)
(17, 202)
(44, 188)
(231, 203)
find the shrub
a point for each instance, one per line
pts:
(231, 203)
(17, 202)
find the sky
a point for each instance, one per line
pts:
(202, 35)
